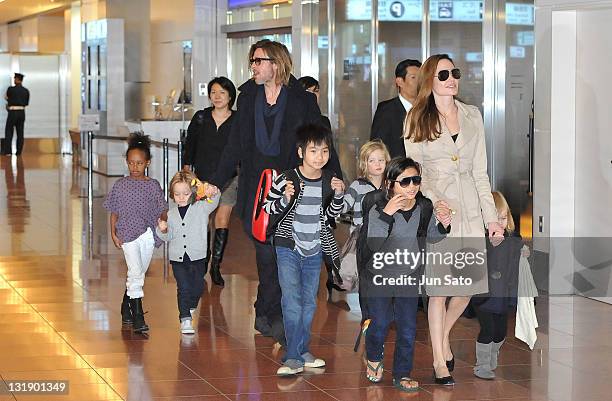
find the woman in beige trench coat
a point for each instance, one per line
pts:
(447, 138)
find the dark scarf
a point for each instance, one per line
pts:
(269, 145)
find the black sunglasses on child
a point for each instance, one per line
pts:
(404, 182)
(444, 74)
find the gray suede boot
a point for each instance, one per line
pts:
(483, 361)
(495, 353)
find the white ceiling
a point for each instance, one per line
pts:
(11, 10)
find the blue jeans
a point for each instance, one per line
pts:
(383, 311)
(299, 281)
(189, 278)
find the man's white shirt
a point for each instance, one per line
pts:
(407, 105)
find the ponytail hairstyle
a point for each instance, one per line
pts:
(186, 177)
(393, 170)
(422, 122)
(140, 141)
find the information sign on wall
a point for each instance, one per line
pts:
(440, 10)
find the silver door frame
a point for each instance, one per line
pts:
(494, 62)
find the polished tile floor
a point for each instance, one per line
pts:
(59, 320)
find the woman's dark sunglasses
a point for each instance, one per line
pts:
(444, 74)
(404, 182)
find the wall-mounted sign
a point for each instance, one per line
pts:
(525, 38)
(519, 14)
(243, 3)
(517, 52)
(473, 57)
(461, 11)
(323, 42)
(399, 10)
(443, 11)
(89, 122)
(439, 10)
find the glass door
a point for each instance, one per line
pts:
(353, 80)
(491, 41)
(456, 29)
(399, 38)
(519, 50)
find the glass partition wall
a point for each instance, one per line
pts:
(398, 39)
(353, 80)
(517, 165)
(255, 20)
(491, 41)
(361, 41)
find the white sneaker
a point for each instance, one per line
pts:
(316, 363)
(290, 367)
(311, 362)
(289, 371)
(186, 327)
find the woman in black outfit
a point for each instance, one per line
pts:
(207, 136)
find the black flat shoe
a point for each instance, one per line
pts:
(444, 381)
(451, 364)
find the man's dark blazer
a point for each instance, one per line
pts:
(301, 109)
(388, 125)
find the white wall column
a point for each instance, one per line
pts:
(209, 47)
(304, 38)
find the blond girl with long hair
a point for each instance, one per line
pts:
(492, 310)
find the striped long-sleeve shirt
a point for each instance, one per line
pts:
(353, 197)
(296, 226)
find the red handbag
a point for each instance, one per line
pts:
(260, 217)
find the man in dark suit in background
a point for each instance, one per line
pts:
(388, 124)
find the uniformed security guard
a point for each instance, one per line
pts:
(17, 98)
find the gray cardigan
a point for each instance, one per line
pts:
(188, 235)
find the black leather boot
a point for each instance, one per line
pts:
(139, 324)
(207, 258)
(217, 255)
(330, 285)
(126, 313)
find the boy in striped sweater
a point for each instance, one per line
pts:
(301, 203)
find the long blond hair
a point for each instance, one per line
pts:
(279, 54)
(502, 207)
(422, 122)
(364, 154)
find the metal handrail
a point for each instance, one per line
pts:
(110, 138)
(160, 144)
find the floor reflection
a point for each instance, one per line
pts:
(59, 318)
